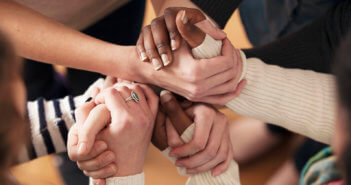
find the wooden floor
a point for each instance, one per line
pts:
(158, 170)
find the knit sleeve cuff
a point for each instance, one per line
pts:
(186, 137)
(209, 48)
(138, 179)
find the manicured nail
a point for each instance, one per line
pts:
(166, 96)
(88, 100)
(165, 59)
(82, 148)
(157, 64)
(173, 45)
(184, 18)
(143, 56)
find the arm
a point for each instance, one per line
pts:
(40, 38)
(50, 122)
(299, 100)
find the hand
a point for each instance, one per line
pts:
(192, 78)
(210, 147)
(164, 35)
(125, 125)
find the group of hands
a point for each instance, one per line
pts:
(111, 135)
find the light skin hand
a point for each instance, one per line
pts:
(113, 109)
(210, 147)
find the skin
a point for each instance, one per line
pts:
(188, 77)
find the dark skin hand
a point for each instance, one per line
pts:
(164, 35)
(179, 119)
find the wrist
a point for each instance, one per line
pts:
(127, 167)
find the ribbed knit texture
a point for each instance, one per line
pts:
(299, 100)
(209, 48)
(229, 177)
(219, 10)
(137, 179)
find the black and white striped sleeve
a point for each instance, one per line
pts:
(50, 122)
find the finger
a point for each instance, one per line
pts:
(175, 112)
(99, 182)
(72, 143)
(98, 148)
(170, 17)
(103, 173)
(98, 118)
(173, 137)
(141, 49)
(151, 98)
(221, 156)
(203, 126)
(150, 48)
(127, 93)
(190, 33)
(161, 40)
(209, 28)
(114, 101)
(82, 112)
(98, 162)
(226, 87)
(223, 98)
(109, 82)
(222, 81)
(159, 135)
(221, 168)
(212, 146)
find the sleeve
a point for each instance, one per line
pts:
(302, 101)
(229, 177)
(138, 179)
(313, 46)
(219, 10)
(50, 122)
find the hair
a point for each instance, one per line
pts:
(12, 127)
(342, 71)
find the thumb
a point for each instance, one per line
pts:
(174, 111)
(193, 35)
(98, 118)
(211, 29)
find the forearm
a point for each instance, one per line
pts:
(50, 122)
(40, 38)
(300, 100)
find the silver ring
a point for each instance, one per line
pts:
(133, 96)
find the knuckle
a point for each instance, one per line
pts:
(147, 28)
(111, 92)
(211, 154)
(151, 52)
(199, 145)
(162, 46)
(156, 21)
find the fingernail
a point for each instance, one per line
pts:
(143, 56)
(88, 100)
(173, 45)
(190, 171)
(157, 64)
(184, 17)
(82, 148)
(165, 59)
(215, 174)
(166, 96)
